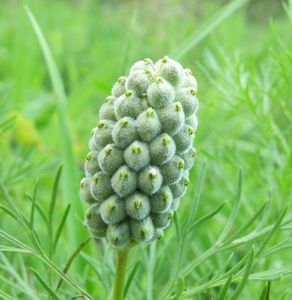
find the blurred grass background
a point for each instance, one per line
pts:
(244, 70)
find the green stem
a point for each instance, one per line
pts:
(120, 275)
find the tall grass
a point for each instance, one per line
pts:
(231, 238)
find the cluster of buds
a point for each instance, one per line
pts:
(141, 151)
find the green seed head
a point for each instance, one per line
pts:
(137, 170)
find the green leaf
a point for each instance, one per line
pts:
(207, 28)
(46, 287)
(234, 212)
(32, 210)
(131, 277)
(246, 274)
(71, 259)
(70, 184)
(265, 295)
(225, 288)
(60, 228)
(206, 217)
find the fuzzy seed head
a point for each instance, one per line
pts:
(140, 153)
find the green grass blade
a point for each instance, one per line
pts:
(225, 288)
(197, 196)
(234, 212)
(32, 210)
(274, 229)
(70, 182)
(206, 217)
(9, 212)
(131, 277)
(265, 295)
(71, 259)
(46, 287)
(246, 274)
(60, 228)
(206, 28)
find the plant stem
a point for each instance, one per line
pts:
(120, 275)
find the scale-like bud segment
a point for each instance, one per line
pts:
(173, 170)
(162, 149)
(119, 87)
(189, 157)
(141, 151)
(124, 181)
(188, 100)
(137, 155)
(94, 223)
(184, 138)
(138, 206)
(84, 191)
(128, 105)
(103, 134)
(148, 125)
(107, 110)
(139, 82)
(142, 231)
(150, 180)
(160, 93)
(112, 210)
(118, 235)
(91, 165)
(124, 132)
(171, 70)
(100, 187)
(110, 158)
(161, 201)
(178, 189)
(172, 118)
(162, 220)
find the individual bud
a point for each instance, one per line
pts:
(119, 87)
(188, 157)
(162, 149)
(91, 165)
(161, 201)
(190, 80)
(137, 206)
(103, 133)
(160, 93)
(171, 70)
(184, 138)
(106, 111)
(84, 191)
(193, 121)
(124, 132)
(150, 180)
(118, 235)
(178, 189)
(175, 204)
(128, 105)
(187, 98)
(112, 210)
(142, 231)
(91, 144)
(148, 125)
(110, 159)
(100, 186)
(139, 82)
(94, 222)
(124, 181)
(162, 220)
(142, 65)
(158, 234)
(173, 170)
(137, 155)
(172, 117)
